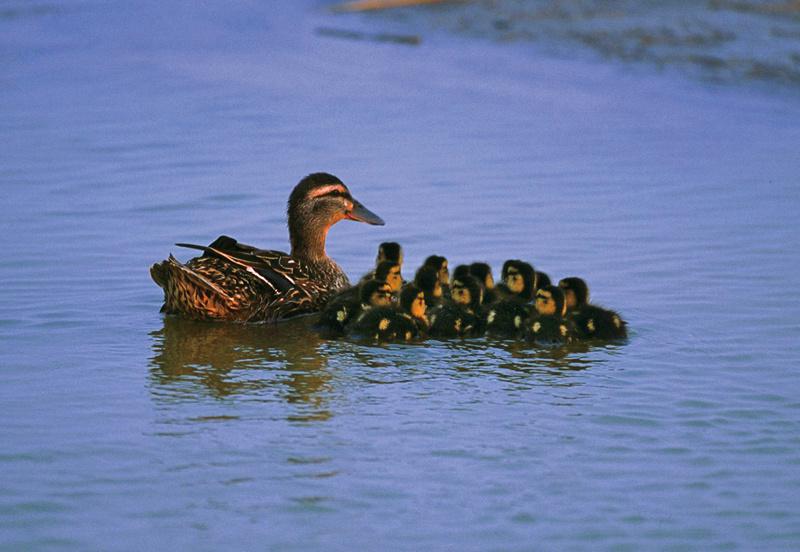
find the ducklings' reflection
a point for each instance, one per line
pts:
(236, 359)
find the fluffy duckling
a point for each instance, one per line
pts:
(542, 280)
(548, 326)
(483, 272)
(440, 264)
(459, 316)
(389, 272)
(392, 323)
(591, 321)
(519, 281)
(412, 303)
(504, 318)
(427, 279)
(343, 309)
(387, 251)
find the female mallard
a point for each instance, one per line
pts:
(234, 281)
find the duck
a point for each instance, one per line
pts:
(344, 309)
(389, 272)
(232, 281)
(519, 281)
(504, 318)
(458, 317)
(439, 263)
(548, 325)
(427, 279)
(403, 322)
(591, 321)
(543, 279)
(483, 272)
(387, 251)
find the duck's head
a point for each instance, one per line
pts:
(520, 278)
(439, 263)
(459, 272)
(318, 202)
(389, 251)
(483, 272)
(376, 294)
(550, 301)
(467, 292)
(389, 272)
(412, 300)
(576, 292)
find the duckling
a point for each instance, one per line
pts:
(542, 280)
(389, 272)
(412, 303)
(483, 272)
(458, 317)
(387, 251)
(394, 323)
(504, 318)
(427, 279)
(548, 326)
(344, 309)
(591, 321)
(460, 271)
(440, 264)
(519, 281)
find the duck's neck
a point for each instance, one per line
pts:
(308, 241)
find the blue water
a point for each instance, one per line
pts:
(126, 128)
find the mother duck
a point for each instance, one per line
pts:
(234, 281)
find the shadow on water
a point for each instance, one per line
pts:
(193, 359)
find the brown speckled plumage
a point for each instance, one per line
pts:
(238, 282)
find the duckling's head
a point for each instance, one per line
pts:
(440, 264)
(389, 251)
(389, 272)
(427, 279)
(483, 272)
(550, 301)
(576, 292)
(460, 271)
(412, 301)
(376, 294)
(318, 202)
(520, 278)
(467, 291)
(542, 280)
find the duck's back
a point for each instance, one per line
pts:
(234, 281)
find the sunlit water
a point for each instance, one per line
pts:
(128, 126)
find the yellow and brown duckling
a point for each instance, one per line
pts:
(459, 317)
(234, 281)
(389, 272)
(344, 309)
(548, 326)
(519, 281)
(427, 279)
(387, 251)
(542, 279)
(591, 321)
(392, 323)
(439, 263)
(483, 272)
(504, 318)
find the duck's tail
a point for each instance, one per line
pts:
(190, 293)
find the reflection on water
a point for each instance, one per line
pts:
(226, 360)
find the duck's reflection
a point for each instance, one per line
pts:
(257, 361)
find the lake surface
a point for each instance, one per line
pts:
(126, 127)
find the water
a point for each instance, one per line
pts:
(126, 128)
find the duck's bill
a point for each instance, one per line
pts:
(362, 214)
